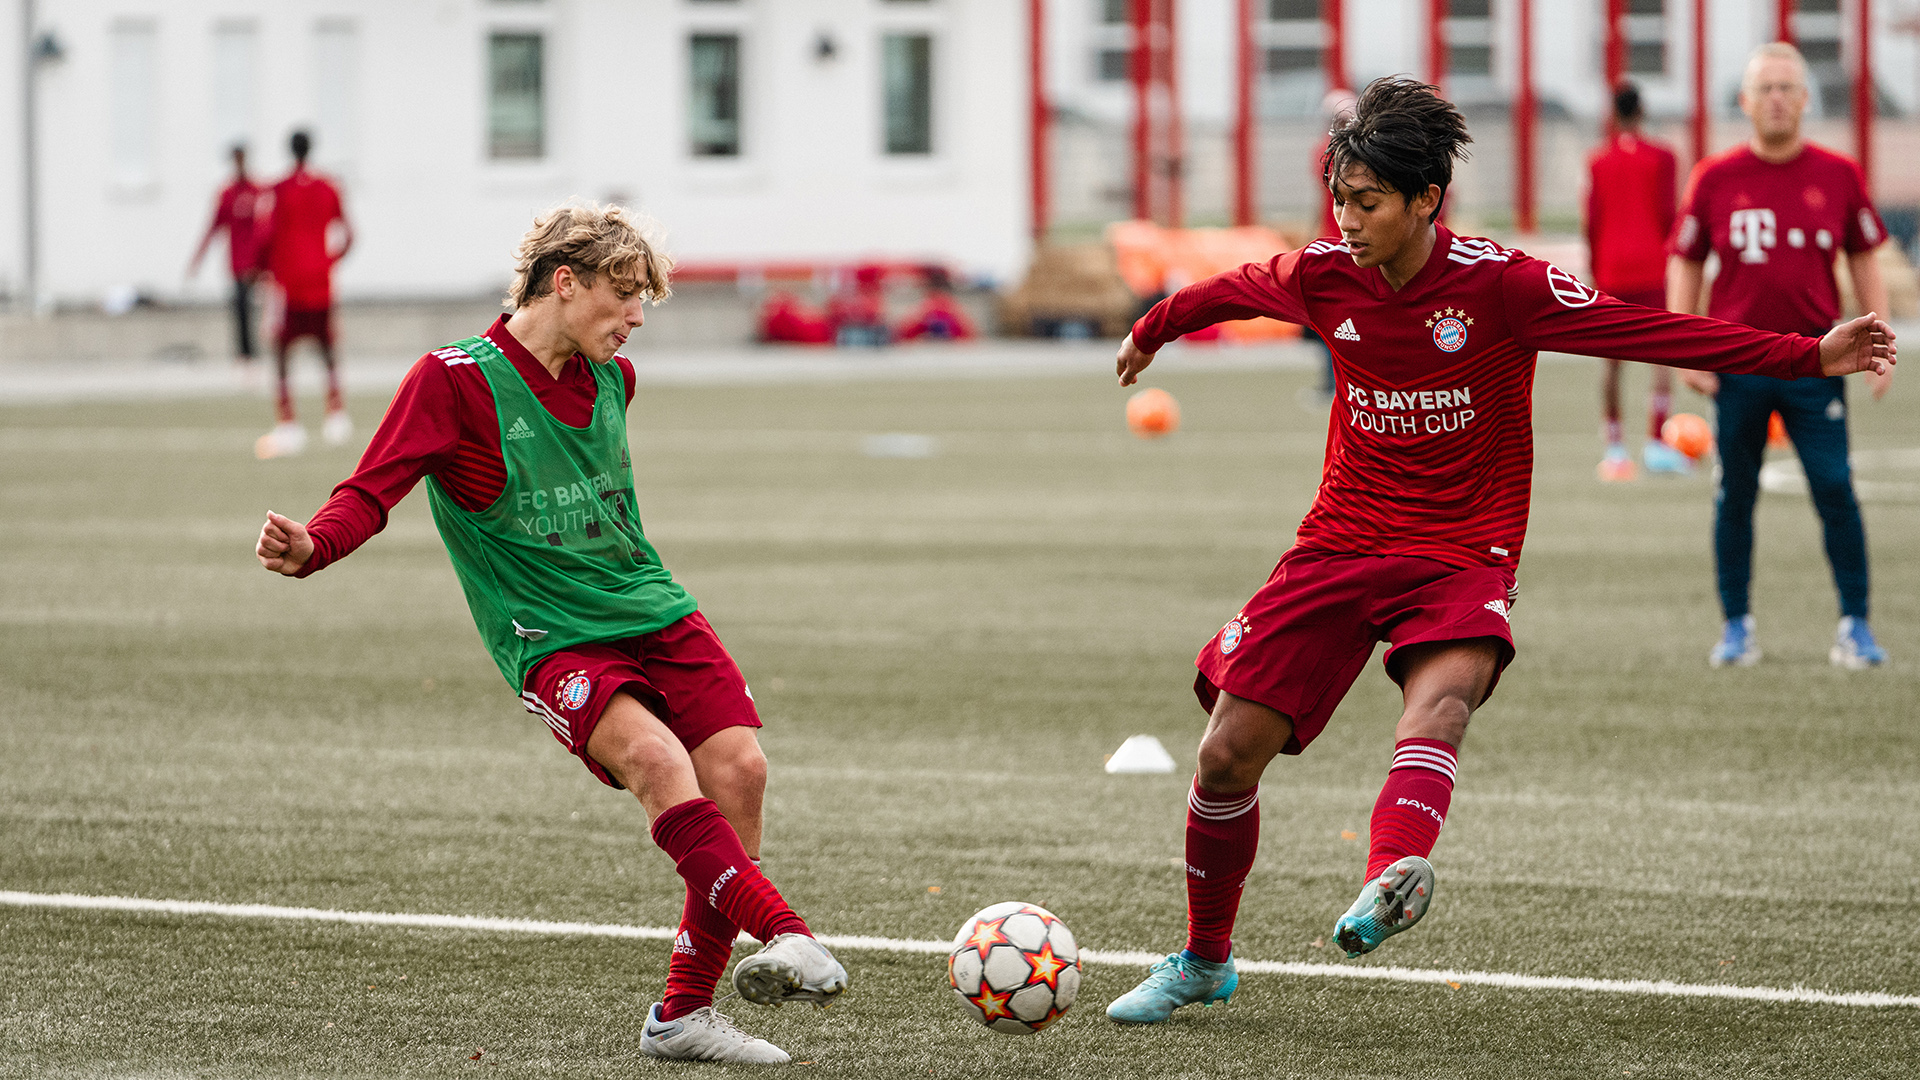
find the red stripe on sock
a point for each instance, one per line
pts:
(707, 853)
(1412, 806)
(700, 954)
(1219, 854)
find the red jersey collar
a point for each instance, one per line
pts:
(1442, 239)
(572, 371)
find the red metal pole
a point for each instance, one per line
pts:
(1243, 194)
(1784, 31)
(1037, 117)
(1176, 138)
(1863, 92)
(1523, 126)
(1141, 71)
(1616, 55)
(1437, 42)
(1700, 103)
(1334, 59)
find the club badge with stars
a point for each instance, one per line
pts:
(1449, 327)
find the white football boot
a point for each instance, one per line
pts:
(338, 428)
(705, 1035)
(285, 440)
(791, 967)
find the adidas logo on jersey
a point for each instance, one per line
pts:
(1347, 332)
(519, 430)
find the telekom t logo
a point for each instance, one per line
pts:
(1753, 233)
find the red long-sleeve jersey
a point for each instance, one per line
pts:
(1430, 449)
(442, 423)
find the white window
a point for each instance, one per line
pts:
(235, 47)
(516, 96)
(336, 62)
(907, 85)
(133, 85)
(713, 99)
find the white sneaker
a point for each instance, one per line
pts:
(791, 967)
(285, 440)
(705, 1035)
(338, 428)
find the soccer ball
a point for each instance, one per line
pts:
(1015, 967)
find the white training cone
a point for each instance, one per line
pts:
(1140, 754)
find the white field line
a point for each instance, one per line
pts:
(1645, 987)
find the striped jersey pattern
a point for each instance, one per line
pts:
(1430, 444)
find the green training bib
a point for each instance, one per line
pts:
(559, 559)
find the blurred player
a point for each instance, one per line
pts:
(236, 212)
(1630, 200)
(522, 437)
(1778, 211)
(1417, 528)
(300, 253)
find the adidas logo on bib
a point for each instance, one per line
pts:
(1347, 332)
(519, 430)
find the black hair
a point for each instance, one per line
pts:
(300, 143)
(1626, 103)
(1404, 133)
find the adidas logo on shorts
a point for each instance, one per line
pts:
(1347, 332)
(519, 430)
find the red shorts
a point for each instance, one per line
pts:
(296, 324)
(681, 673)
(1297, 646)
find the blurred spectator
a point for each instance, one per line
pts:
(784, 319)
(858, 315)
(939, 316)
(238, 211)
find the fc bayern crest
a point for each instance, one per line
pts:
(573, 692)
(1449, 334)
(1230, 635)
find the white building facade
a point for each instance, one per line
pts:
(770, 130)
(752, 130)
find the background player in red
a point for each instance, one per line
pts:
(1778, 211)
(1630, 201)
(236, 212)
(300, 250)
(1422, 509)
(521, 435)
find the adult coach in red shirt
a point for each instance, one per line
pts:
(1422, 510)
(521, 435)
(1630, 201)
(1778, 211)
(237, 212)
(300, 252)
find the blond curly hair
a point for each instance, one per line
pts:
(593, 240)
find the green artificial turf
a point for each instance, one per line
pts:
(943, 649)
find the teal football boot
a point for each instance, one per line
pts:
(1178, 980)
(1388, 904)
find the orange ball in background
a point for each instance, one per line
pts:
(1688, 434)
(1152, 413)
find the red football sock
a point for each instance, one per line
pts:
(1413, 803)
(1658, 405)
(1223, 832)
(283, 403)
(700, 953)
(707, 852)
